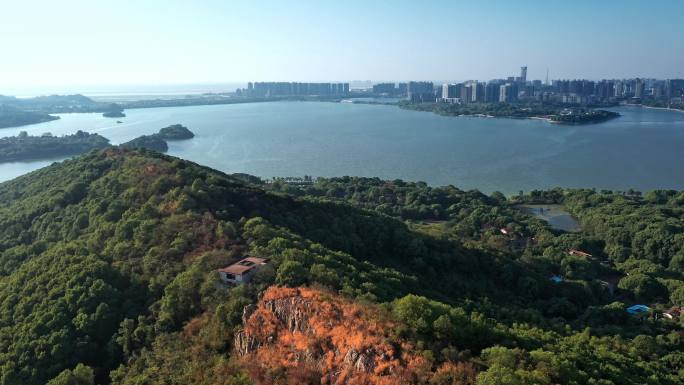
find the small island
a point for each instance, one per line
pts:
(114, 111)
(175, 132)
(14, 117)
(24, 147)
(157, 142)
(150, 142)
(114, 114)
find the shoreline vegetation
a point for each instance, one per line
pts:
(675, 109)
(25, 148)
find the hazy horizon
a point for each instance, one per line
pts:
(78, 44)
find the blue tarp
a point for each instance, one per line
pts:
(638, 309)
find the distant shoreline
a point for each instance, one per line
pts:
(654, 108)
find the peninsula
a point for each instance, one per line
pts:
(550, 112)
(14, 117)
(24, 147)
(46, 146)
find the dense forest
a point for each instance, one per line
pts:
(108, 275)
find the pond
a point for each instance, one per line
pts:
(555, 215)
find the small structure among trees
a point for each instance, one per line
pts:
(241, 271)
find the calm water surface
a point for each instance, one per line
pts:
(641, 150)
(555, 215)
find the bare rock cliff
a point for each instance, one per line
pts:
(309, 333)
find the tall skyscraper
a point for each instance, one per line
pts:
(467, 93)
(546, 83)
(445, 91)
(504, 91)
(639, 88)
(450, 91)
(508, 92)
(492, 92)
(523, 74)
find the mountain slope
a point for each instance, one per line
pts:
(109, 260)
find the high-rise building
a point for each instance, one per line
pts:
(451, 92)
(639, 88)
(619, 89)
(445, 91)
(508, 93)
(491, 92)
(271, 89)
(384, 88)
(421, 92)
(523, 74)
(467, 92)
(474, 92)
(504, 92)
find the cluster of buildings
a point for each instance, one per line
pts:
(390, 89)
(520, 89)
(271, 89)
(510, 90)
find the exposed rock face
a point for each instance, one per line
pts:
(333, 338)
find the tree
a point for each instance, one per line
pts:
(292, 273)
(80, 375)
(643, 286)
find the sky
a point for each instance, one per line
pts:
(82, 43)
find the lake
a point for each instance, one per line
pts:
(642, 149)
(555, 215)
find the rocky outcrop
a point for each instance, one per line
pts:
(340, 341)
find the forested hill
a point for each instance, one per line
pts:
(108, 275)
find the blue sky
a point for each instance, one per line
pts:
(91, 42)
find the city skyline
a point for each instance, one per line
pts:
(82, 43)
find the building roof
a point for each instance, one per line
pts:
(244, 265)
(673, 312)
(578, 253)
